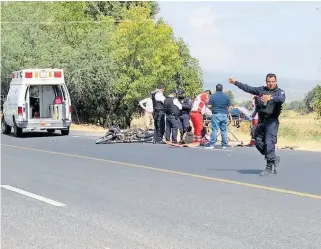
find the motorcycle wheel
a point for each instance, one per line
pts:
(104, 139)
(145, 135)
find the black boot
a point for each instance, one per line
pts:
(268, 169)
(276, 164)
(181, 141)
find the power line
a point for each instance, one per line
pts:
(79, 22)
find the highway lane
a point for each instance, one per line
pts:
(109, 205)
(299, 171)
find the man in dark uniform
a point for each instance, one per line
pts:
(269, 107)
(158, 99)
(185, 112)
(172, 108)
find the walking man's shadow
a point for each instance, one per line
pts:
(241, 171)
(249, 171)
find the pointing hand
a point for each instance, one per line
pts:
(231, 80)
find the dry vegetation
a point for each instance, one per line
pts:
(298, 131)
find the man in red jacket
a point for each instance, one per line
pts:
(197, 112)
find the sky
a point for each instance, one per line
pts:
(250, 37)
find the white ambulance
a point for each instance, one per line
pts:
(38, 99)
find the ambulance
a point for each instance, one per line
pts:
(38, 99)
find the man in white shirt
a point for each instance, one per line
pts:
(172, 108)
(158, 99)
(147, 105)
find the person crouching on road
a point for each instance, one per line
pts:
(197, 112)
(184, 117)
(220, 104)
(158, 99)
(269, 108)
(172, 108)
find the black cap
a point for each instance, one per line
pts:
(160, 86)
(173, 91)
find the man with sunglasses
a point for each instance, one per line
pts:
(269, 107)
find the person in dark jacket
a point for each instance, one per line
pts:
(158, 99)
(172, 109)
(184, 116)
(268, 107)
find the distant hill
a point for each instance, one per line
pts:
(295, 89)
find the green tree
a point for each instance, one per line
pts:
(95, 9)
(89, 61)
(189, 76)
(52, 38)
(231, 95)
(298, 106)
(108, 68)
(146, 57)
(309, 98)
(316, 102)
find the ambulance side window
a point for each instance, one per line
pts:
(12, 94)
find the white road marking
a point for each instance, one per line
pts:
(38, 197)
(86, 136)
(201, 148)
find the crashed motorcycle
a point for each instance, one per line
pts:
(130, 135)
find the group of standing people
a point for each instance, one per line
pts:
(174, 112)
(170, 114)
(179, 110)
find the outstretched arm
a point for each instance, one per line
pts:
(246, 88)
(249, 89)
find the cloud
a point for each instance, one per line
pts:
(204, 18)
(205, 40)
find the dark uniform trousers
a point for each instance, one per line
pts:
(159, 125)
(266, 138)
(184, 123)
(173, 123)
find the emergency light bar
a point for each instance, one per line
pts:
(42, 73)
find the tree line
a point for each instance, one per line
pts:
(310, 103)
(113, 53)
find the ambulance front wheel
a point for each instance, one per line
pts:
(5, 129)
(65, 132)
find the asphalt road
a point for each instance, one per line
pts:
(83, 195)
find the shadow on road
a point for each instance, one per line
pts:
(241, 171)
(249, 171)
(36, 134)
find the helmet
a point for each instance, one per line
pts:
(180, 92)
